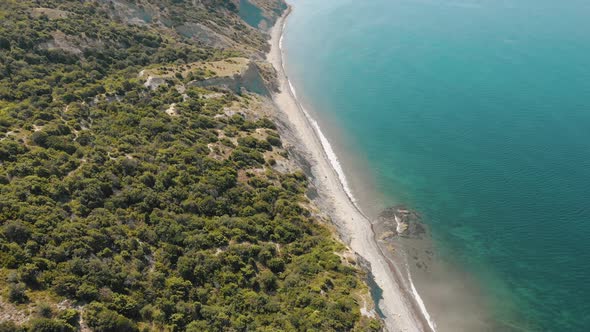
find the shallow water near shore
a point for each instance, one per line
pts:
(475, 114)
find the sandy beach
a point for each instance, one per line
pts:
(402, 311)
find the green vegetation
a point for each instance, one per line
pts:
(141, 219)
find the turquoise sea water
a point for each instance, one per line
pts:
(477, 114)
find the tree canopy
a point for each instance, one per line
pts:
(133, 218)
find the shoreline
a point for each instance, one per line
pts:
(401, 305)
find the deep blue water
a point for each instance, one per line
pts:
(477, 114)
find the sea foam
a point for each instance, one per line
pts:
(421, 304)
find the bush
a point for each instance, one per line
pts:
(11, 327)
(268, 281)
(40, 138)
(87, 292)
(49, 325)
(101, 319)
(16, 293)
(16, 231)
(276, 265)
(274, 141)
(28, 274)
(198, 326)
(66, 285)
(247, 157)
(70, 316)
(266, 123)
(44, 310)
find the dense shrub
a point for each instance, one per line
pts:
(49, 325)
(111, 203)
(102, 319)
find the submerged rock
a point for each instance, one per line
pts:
(401, 221)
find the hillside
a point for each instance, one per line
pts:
(144, 185)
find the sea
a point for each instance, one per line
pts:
(476, 115)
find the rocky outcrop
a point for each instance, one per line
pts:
(401, 221)
(70, 44)
(268, 11)
(205, 35)
(193, 20)
(250, 80)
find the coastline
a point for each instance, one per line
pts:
(402, 307)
